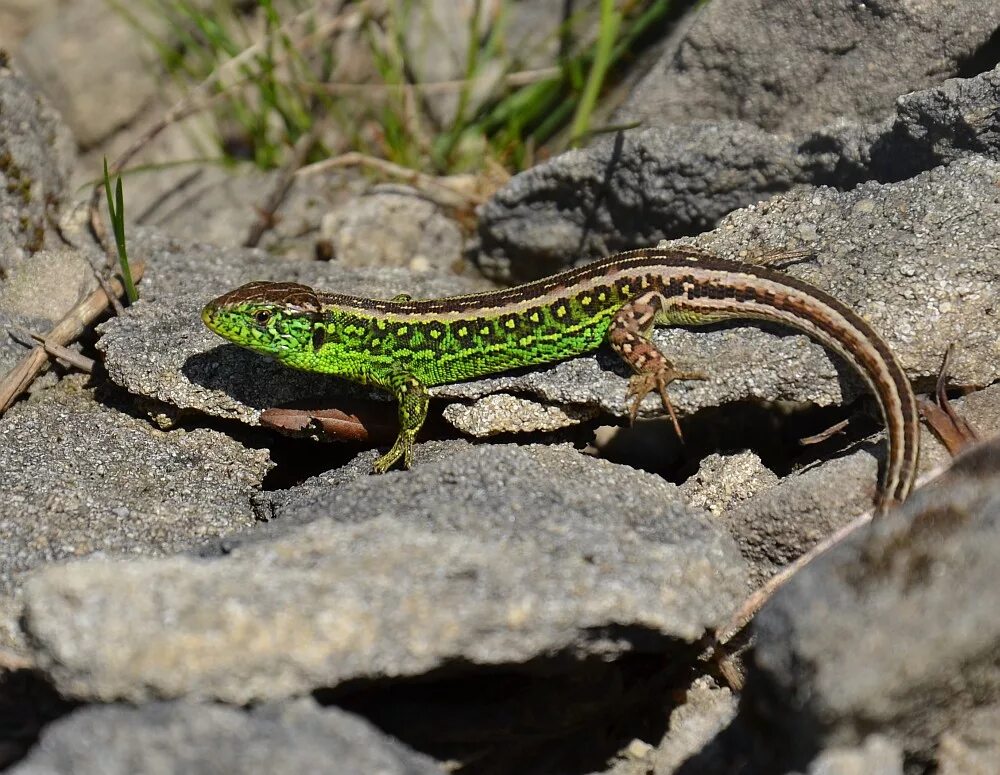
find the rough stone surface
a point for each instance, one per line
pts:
(481, 556)
(672, 181)
(393, 226)
(167, 738)
(36, 155)
(219, 205)
(705, 711)
(37, 293)
(876, 756)
(504, 413)
(777, 524)
(81, 477)
(894, 630)
(630, 190)
(119, 84)
(919, 259)
(725, 481)
(973, 746)
(795, 66)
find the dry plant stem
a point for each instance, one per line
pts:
(76, 321)
(824, 435)
(73, 358)
(519, 78)
(267, 210)
(427, 183)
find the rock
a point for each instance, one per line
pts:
(81, 477)
(483, 556)
(845, 61)
(18, 17)
(724, 481)
(36, 156)
(220, 204)
(895, 630)
(37, 293)
(917, 259)
(973, 746)
(393, 227)
(47, 286)
(628, 191)
(776, 525)
(96, 95)
(705, 711)
(875, 756)
(171, 737)
(504, 413)
(670, 181)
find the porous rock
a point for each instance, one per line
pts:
(481, 556)
(793, 67)
(201, 739)
(894, 630)
(81, 477)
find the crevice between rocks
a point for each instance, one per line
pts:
(559, 713)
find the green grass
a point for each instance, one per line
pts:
(284, 87)
(116, 212)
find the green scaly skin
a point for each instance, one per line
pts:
(405, 346)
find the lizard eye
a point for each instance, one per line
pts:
(262, 316)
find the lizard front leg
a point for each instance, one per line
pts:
(411, 394)
(629, 335)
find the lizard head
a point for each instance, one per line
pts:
(274, 319)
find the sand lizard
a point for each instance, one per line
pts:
(405, 346)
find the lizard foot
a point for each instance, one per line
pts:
(640, 385)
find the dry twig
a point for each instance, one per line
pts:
(76, 321)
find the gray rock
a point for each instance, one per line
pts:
(794, 67)
(778, 524)
(80, 477)
(504, 413)
(670, 181)
(630, 190)
(877, 755)
(481, 556)
(724, 481)
(48, 285)
(37, 293)
(167, 738)
(96, 95)
(393, 227)
(706, 710)
(973, 746)
(36, 156)
(917, 259)
(18, 17)
(220, 204)
(895, 630)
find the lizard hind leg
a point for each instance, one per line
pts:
(629, 336)
(411, 394)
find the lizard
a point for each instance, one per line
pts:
(404, 346)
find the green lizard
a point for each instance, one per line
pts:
(405, 346)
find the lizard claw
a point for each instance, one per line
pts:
(642, 384)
